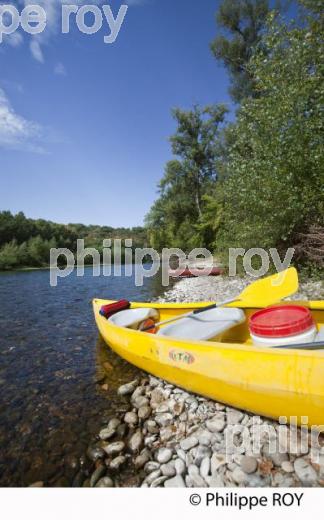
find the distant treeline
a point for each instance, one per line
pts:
(25, 242)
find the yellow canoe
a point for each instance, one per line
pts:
(266, 381)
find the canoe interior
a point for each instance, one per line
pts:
(239, 334)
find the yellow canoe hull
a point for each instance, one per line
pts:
(265, 381)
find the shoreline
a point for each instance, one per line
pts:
(167, 437)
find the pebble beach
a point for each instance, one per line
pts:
(166, 437)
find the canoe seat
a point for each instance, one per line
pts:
(132, 318)
(205, 326)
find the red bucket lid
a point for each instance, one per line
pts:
(280, 321)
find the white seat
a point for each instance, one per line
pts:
(204, 326)
(132, 318)
(320, 335)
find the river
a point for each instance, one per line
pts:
(53, 372)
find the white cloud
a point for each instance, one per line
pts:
(16, 132)
(36, 50)
(59, 69)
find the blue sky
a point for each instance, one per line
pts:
(85, 134)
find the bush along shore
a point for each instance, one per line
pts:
(167, 437)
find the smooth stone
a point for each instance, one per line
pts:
(249, 464)
(106, 434)
(166, 433)
(176, 407)
(115, 448)
(140, 401)
(113, 423)
(195, 477)
(127, 389)
(216, 425)
(175, 482)
(189, 443)
(305, 472)
(234, 417)
(142, 459)
(159, 481)
(164, 455)
(287, 466)
(149, 441)
(140, 390)
(216, 481)
(257, 481)
(239, 476)
(168, 470)
(193, 470)
(189, 459)
(276, 457)
(200, 453)
(131, 418)
(164, 419)
(95, 454)
(278, 479)
(179, 466)
(217, 460)
(122, 430)
(205, 467)
(205, 438)
(152, 476)
(136, 441)
(152, 427)
(157, 397)
(97, 474)
(144, 412)
(151, 466)
(162, 408)
(183, 417)
(154, 381)
(117, 462)
(191, 400)
(181, 454)
(105, 482)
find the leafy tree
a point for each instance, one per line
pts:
(188, 178)
(9, 255)
(243, 23)
(275, 170)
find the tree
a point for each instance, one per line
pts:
(243, 23)
(274, 188)
(188, 177)
(9, 256)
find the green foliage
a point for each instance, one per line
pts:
(9, 255)
(275, 168)
(243, 23)
(26, 243)
(259, 181)
(175, 218)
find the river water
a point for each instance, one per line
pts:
(53, 372)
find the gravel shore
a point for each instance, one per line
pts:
(170, 438)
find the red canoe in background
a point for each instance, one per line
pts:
(195, 273)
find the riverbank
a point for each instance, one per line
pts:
(166, 437)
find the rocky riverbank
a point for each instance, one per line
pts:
(166, 437)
